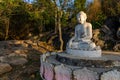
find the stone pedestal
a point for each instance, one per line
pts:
(63, 66)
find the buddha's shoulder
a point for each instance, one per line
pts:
(87, 23)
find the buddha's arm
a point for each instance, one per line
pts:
(89, 31)
(72, 39)
(76, 33)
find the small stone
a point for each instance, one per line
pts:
(4, 67)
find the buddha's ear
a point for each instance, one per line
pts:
(86, 17)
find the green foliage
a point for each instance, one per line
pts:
(99, 22)
(79, 5)
(25, 18)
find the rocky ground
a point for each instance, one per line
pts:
(19, 60)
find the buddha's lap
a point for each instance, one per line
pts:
(83, 45)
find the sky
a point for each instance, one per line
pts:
(90, 0)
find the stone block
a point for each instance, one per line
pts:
(48, 72)
(111, 75)
(84, 74)
(63, 73)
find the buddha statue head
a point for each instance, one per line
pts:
(81, 17)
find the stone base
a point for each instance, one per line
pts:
(62, 66)
(83, 53)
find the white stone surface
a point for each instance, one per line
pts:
(84, 74)
(111, 75)
(63, 73)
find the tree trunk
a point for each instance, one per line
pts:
(56, 26)
(58, 15)
(7, 28)
(60, 32)
(118, 32)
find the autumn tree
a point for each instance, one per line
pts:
(95, 14)
(111, 7)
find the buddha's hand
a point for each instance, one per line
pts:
(83, 35)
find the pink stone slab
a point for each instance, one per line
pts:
(48, 71)
(41, 69)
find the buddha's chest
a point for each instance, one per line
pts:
(81, 28)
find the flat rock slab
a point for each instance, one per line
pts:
(104, 62)
(14, 60)
(4, 67)
(104, 57)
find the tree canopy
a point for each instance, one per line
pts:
(18, 18)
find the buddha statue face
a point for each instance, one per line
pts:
(81, 17)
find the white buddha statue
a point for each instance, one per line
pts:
(80, 44)
(83, 34)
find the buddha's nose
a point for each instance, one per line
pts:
(79, 19)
